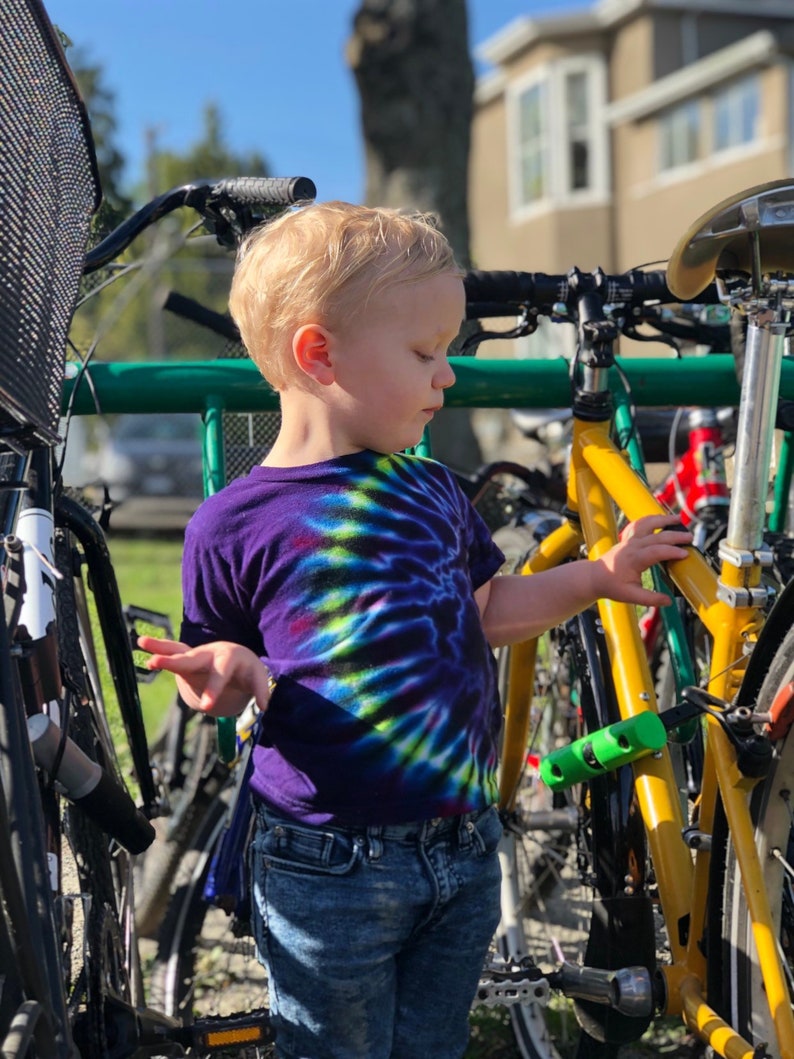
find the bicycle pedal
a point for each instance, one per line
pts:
(217, 1032)
(508, 982)
(139, 620)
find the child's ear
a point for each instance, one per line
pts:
(311, 348)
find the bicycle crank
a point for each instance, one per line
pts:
(628, 990)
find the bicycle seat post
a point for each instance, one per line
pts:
(766, 338)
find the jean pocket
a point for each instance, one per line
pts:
(486, 831)
(308, 850)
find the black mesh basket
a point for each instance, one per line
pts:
(48, 190)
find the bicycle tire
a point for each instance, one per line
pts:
(548, 897)
(201, 968)
(28, 919)
(531, 867)
(735, 974)
(100, 946)
(202, 778)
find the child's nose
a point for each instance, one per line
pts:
(444, 377)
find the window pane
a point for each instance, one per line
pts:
(576, 101)
(532, 146)
(579, 165)
(749, 115)
(578, 132)
(531, 119)
(679, 135)
(532, 187)
(736, 110)
(722, 123)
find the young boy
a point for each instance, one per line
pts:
(363, 583)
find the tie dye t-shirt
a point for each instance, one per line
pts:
(354, 580)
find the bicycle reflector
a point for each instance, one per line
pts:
(222, 1031)
(603, 751)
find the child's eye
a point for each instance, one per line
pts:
(423, 357)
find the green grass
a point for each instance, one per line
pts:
(148, 574)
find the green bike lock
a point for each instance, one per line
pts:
(603, 751)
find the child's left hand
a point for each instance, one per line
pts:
(642, 544)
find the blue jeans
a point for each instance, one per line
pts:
(374, 939)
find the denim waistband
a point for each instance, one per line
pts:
(418, 829)
(425, 829)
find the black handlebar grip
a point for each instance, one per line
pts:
(541, 291)
(514, 287)
(266, 191)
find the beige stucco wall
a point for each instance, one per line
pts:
(631, 58)
(652, 210)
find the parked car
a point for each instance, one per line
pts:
(152, 455)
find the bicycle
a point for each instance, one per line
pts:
(710, 878)
(71, 981)
(522, 982)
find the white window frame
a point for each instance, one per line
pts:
(557, 175)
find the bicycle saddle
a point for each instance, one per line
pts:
(752, 231)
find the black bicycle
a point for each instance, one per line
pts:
(72, 818)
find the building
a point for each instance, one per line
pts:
(601, 134)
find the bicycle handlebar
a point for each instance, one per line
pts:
(499, 293)
(226, 206)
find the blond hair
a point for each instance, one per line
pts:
(322, 263)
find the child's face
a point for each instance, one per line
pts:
(391, 362)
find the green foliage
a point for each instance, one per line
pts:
(148, 571)
(172, 255)
(100, 101)
(206, 159)
(126, 321)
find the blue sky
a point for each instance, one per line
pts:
(275, 68)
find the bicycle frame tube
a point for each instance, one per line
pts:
(672, 621)
(602, 476)
(766, 340)
(563, 543)
(782, 493)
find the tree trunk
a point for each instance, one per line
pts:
(415, 80)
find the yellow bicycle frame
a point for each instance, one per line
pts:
(601, 480)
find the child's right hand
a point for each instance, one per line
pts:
(217, 678)
(651, 539)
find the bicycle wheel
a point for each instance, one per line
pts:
(565, 856)
(737, 970)
(538, 862)
(33, 1012)
(206, 962)
(195, 780)
(538, 847)
(96, 896)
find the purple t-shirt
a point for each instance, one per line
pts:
(354, 579)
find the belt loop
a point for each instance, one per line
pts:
(465, 829)
(374, 843)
